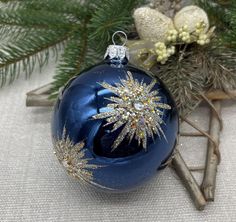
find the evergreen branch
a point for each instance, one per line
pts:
(200, 70)
(220, 70)
(57, 6)
(85, 48)
(184, 79)
(7, 32)
(78, 55)
(78, 8)
(230, 37)
(24, 54)
(112, 16)
(222, 14)
(215, 11)
(89, 24)
(35, 19)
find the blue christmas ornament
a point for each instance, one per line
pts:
(114, 126)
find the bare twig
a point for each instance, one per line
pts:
(212, 160)
(191, 134)
(204, 133)
(39, 97)
(209, 102)
(196, 168)
(188, 180)
(220, 95)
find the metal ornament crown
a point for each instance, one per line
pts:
(118, 52)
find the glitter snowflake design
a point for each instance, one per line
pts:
(72, 157)
(137, 108)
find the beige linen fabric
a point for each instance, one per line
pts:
(33, 187)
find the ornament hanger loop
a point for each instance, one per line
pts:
(117, 33)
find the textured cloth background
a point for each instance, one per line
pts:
(33, 186)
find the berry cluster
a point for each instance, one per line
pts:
(163, 53)
(200, 27)
(184, 34)
(202, 38)
(164, 50)
(172, 35)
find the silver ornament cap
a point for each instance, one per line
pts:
(117, 52)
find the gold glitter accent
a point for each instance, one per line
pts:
(190, 16)
(151, 24)
(71, 156)
(137, 108)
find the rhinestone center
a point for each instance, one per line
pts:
(138, 106)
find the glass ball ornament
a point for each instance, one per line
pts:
(114, 125)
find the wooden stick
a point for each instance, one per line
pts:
(188, 180)
(213, 109)
(39, 97)
(196, 168)
(220, 95)
(191, 123)
(209, 181)
(191, 134)
(39, 101)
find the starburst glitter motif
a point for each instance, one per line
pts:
(72, 157)
(136, 107)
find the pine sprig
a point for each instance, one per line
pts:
(32, 27)
(220, 70)
(24, 54)
(230, 37)
(219, 59)
(110, 16)
(57, 6)
(215, 11)
(34, 19)
(222, 14)
(184, 79)
(20, 23)
(77, 56)
(113, 16)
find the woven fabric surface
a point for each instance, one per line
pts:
(33, 186)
